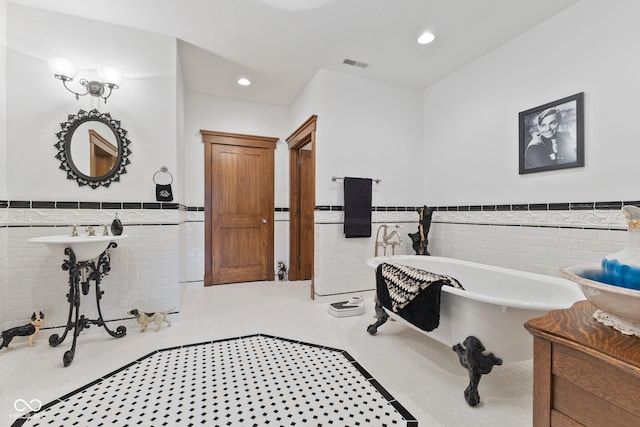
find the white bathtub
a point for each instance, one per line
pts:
(495, 304)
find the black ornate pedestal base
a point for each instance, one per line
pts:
(382, 317)
(81, 274)
(478, 364)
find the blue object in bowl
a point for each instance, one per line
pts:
(616, 273)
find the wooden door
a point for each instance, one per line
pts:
(302, 198)
(238, 208)
(307, 203)
(102, 154)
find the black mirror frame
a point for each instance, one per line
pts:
(64, 148)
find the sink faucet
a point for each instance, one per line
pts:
(90, 231)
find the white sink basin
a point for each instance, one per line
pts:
(85, 247)
(616, 300)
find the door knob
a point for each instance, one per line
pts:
(264, 220)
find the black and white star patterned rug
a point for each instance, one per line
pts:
(255, 380)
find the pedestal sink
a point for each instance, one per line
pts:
(88, 261)
(85, 247)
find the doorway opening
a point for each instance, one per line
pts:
(302, 196)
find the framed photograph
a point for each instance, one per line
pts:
(552, 135)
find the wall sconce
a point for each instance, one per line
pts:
(65, 71)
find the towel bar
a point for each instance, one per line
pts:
(334, 178)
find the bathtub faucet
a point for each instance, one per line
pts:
(387, 239)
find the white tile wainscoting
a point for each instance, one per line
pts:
(536, 238)
(529, 240)
(164, 253)
(340, 264)
(144, 267)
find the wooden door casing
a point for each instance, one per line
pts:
(239, 206)
(302, 198)
(102, 154)
(306, 215)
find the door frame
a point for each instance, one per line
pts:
(224, 138)
(304, 135)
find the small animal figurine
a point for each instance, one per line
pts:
(282, 270)
(29, 330)
(145, 319)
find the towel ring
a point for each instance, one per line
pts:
(164, 170)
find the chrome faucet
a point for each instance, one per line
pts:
(90, 231)
(387, 239)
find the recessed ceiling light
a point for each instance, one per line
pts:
(244, 81)
(426, 38)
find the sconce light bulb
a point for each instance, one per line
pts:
(244, 81)
(110, 75)
(62, 67)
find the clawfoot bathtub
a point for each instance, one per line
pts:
(492, 308)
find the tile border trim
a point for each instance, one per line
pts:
(550, 206)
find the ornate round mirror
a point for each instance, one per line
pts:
(92, 148)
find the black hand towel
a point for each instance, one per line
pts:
(357, 207)
(164, 193)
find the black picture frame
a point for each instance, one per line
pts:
(539, 153)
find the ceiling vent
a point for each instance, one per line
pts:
(355, 63)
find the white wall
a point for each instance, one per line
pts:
(179, 186)
(364, 129)
(453, 144)
(144, 266)
(471, 117)
(471, 144)
(368, 129)
(306, 104)
(3, 156)
(470, 151)
(37, 103)
(3, 99)
(227, 115)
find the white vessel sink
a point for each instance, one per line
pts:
(616, 300)
(85, 247)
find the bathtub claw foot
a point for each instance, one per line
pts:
(382, 317)
(478, 364)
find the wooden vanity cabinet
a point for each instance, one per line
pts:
(584, 373)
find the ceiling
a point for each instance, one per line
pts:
(281, 44)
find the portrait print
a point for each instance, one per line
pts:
(552, 135)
